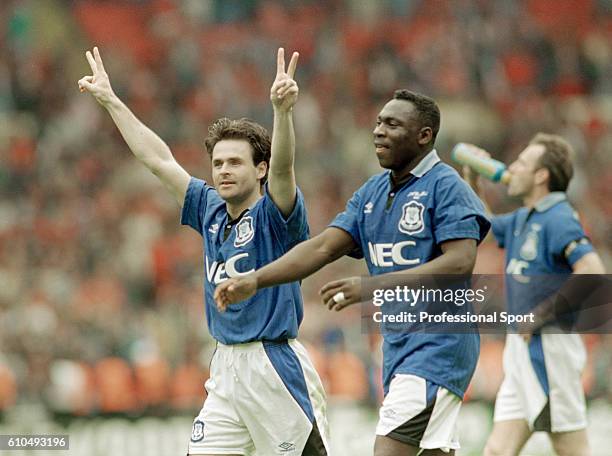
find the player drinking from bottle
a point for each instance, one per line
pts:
(545, 243)
(263, 393)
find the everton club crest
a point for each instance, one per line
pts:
(411, 221)
(529, 249)
(244, 232)
(197, 432)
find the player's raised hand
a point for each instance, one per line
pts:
(284, 91)
(234, 290)
(338, 294)
(98, 83)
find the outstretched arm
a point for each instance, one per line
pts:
(283, 94)
(144, 143)
(303, 260)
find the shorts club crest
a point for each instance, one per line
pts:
(197, 432)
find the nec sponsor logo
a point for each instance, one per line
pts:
(388, 254)
(219, 272)
(515, 269)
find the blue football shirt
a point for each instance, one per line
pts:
(543, 242)
(260, 236)
(402, 227)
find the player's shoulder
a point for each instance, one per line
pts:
(200, 185)
(562, 212)
(444, 169)
(563, 207)
(214, 200)
(202, 203)
(446, 173)
(377, 179)
(215, 208)
(267, 200)
(199, 189)
(374, 183)
(265, 212)
(444, 177)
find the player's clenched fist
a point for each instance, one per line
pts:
(97, 84)
(234, 290)
(284, 91)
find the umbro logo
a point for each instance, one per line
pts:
(286, 447)
(368, 208)
(389, 413)
(213, 228)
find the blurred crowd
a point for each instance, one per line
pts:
(101, 288)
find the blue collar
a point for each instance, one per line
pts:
(426, 163)
(549, 201)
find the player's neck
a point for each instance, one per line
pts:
(234, 209)
(535, 196)
(400, 175)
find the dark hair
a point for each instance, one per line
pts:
(557, 159)
(256, 135)
(429, 113)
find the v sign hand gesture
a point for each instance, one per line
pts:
(146, 146)
(284, 91)
(98, 84)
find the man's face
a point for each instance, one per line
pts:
(234, 175)
(523, 171)
(396, 135)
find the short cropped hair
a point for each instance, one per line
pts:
(557, 159)
(246, 129)
(428, 111)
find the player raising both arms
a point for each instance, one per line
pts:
(545, 243)
(263, 393)
(416, 218)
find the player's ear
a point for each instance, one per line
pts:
(262, 170)
(541, 176)
(425, 135)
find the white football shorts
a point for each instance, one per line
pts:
(542, 382)
(420, 413)
(264, 398)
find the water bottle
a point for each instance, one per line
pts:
(492, 169)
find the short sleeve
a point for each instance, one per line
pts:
(348, 221)
(459, 213)
(293, 228)
(194, 205)
(499, 227)
(568, 240)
